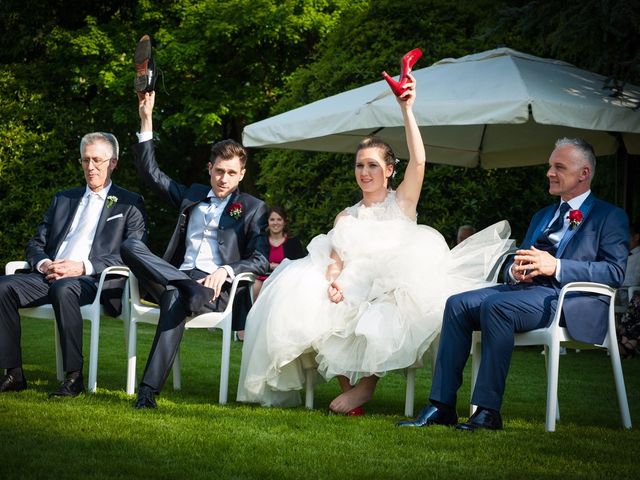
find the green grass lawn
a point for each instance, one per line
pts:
(190, 436)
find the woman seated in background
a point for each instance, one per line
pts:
(281, 245)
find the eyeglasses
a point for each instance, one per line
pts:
(96, 161)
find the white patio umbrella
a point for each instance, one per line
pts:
(499, 108)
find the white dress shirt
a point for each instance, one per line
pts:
(79, 240)
(202, 250)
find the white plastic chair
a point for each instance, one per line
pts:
(145, 312)
(552, 337)
(91, 312)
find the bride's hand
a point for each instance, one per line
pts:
(335, 293)
(408, 97)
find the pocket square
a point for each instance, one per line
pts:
(114, 217)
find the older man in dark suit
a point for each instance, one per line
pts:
(78, 238)
(219, 233)
(581, 239)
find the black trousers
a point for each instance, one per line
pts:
(32, 290)
(156, 276)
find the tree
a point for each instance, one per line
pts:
(67, 69)
(313, 187)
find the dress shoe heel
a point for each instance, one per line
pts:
(406, 64)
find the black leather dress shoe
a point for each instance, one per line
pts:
(483, 418)
(146, 74)
(146, 398)
(432, 415)
(71, 387)
(9, 383)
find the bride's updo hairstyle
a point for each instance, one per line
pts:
(387, 154)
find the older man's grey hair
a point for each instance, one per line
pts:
(585, 149)
(91, 138)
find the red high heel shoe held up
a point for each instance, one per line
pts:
(406, 64)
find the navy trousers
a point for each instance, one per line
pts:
(498, 312)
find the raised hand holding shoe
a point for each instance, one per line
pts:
(406, 64)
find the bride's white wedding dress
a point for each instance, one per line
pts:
(396, 278)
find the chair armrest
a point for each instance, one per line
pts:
(583, 287)
(12, 267)
(116, 270)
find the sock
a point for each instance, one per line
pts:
(74, 375)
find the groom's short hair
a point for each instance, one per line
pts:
(228, 149)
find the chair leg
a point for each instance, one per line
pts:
(177, 383)
(552, 358)
(476, 358)
(409, 399)
(59, 367)
(310, 380)
(224, 363)
(131, 358)
(93, 354)
(546, 368)
(618, 377)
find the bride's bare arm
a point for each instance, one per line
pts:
(408, 192)
(334, 269)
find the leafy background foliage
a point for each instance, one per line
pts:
(66, 69)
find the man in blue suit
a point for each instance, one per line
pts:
(582, 239)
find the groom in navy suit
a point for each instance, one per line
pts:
(219, 233)
(78, 238)
(580, 239)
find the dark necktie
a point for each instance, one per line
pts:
(544, 242)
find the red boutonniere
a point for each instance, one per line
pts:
(575, 218)
(235, 210)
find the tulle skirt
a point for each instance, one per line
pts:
(396, 278)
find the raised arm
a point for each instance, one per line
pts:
(146, 101)
(408, 192)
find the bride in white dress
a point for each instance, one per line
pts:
(369, 296)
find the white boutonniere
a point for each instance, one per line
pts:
(111, 200)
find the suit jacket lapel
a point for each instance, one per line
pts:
(542, 224)
(585, 208)
(104, 213)
(70, 212)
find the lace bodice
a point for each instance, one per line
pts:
(388, 209)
